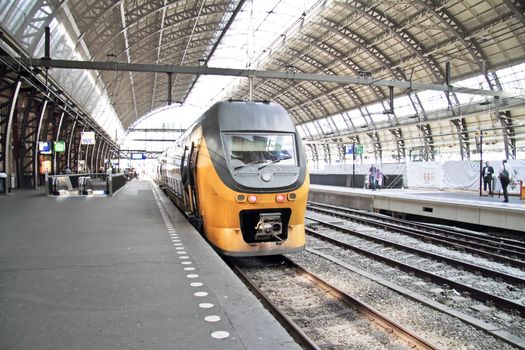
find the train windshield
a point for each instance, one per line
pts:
(245, 149)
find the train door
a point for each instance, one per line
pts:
(193, 191)
(184, 179)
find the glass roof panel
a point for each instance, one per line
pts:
(256, 27)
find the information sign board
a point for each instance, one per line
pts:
(60, 146)
(44, 147)
(87, 138)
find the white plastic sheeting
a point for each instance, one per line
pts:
(424, 174)
(447, 175)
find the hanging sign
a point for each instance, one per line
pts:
(60, 146)
(87, 138)
(44, 147)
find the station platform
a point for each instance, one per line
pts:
(464, 207)
(122, 272)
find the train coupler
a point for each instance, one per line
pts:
(269, 226)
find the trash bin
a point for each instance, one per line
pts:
(3, 182)
(12, 183)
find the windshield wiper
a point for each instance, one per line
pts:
(247, 164)
(274, 161)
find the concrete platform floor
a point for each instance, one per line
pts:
(126, 272)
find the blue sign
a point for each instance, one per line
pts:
(44, 147)
(349, 149)
(138, 156)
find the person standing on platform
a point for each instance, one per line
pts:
(372, 173)
(67, 171)
(380, 177)
(504, 178)
(488, 171)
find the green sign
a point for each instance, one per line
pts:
(60, 146)
(358, 149)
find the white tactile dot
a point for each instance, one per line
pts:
(182, 253)
(212, 318)
(206, 305)
(220, 334)
(184, 257)
(186, 262)
(200, 294)
(196, 284)
(177, 244)
(189, 268)
(178, 248)
(192, 275)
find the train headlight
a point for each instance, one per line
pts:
(252, 198)
(292, 196)
(280, 198)
(240, 198)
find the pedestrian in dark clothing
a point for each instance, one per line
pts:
(488, 171)
(504, 178)
(372, 174)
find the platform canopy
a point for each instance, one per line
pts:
(479, 44)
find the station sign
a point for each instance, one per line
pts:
(60, 146)
(351, 149)
(44, 147)
(87, 138)
(138, 156)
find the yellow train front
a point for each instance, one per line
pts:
(240, 175)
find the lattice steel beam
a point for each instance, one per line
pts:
(509, 136)
(378, 151)
(262, 74)
(463, 137)
(428, 149)
(397, 133)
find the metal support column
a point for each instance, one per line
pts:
(70, 144)
(35, 147)
(7, 141)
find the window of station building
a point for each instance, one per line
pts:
(302, 132)
(325, 126)
(478, 82)
(314, 131)
(376, 112)
(432, 100)
(403, 107)
(339, 122)
(512, 79)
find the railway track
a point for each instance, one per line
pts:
(506, 290)
(503, 250)
(320, 315)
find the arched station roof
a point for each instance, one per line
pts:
(483, 41)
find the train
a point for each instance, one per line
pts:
(239, 174)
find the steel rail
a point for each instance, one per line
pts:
(286, 321)
(474, 292)
(474, 248)
(466, 242)
(364, 309)
(467, 266)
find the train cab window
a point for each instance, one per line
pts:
(253, 148)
